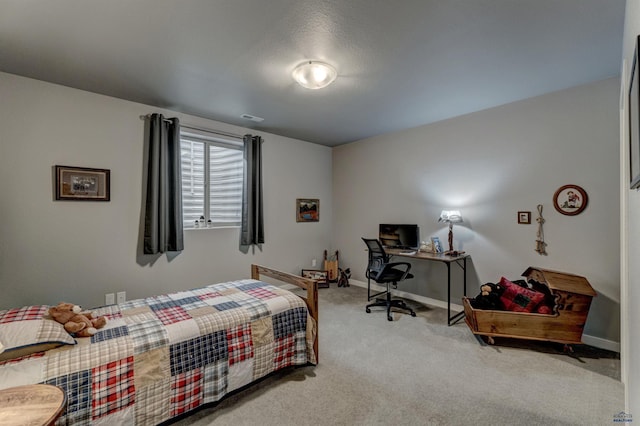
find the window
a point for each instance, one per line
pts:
(212, 173)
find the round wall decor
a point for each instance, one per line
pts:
(570, 200)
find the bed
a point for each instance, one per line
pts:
(163, 356)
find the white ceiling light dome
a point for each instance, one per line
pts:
(314, 74)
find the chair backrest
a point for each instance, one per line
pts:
(377, 256)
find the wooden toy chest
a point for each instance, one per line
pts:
(572, 294)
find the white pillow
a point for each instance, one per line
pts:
(27, 330)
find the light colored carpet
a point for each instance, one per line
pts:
(419, 371)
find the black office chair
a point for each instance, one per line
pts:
(382, 271)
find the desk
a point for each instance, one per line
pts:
(460, 260)
(31, 405)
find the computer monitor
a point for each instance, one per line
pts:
(399, 236)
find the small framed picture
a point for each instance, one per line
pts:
(435, 244)
(570, 200)
(307, 210)
(317, 275)
(82, 184)
(524, 218)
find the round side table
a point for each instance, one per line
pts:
(31, 405)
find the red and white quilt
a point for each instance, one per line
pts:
(163, 356)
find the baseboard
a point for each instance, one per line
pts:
(599, 342)
(594, 341)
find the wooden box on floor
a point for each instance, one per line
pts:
(573, 295)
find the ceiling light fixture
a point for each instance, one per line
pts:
(314, 74)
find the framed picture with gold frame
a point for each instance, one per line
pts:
(82, 184)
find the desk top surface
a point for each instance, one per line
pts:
(426, 255)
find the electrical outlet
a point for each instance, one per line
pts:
(121, 296)
(313, 263)
(109, 299)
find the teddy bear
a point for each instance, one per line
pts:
(489, 297)
(75, 321)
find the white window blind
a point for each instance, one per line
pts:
(212, 173)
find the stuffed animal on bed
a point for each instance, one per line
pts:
(76, 322)
(489, 297)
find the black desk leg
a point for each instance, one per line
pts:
(449, 292)
(454, 319)
(464, 271)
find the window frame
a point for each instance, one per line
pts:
(209, 139)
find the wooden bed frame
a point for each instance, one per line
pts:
(311, 287)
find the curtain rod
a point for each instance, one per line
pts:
(201, 129)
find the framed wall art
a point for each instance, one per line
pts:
(82, 184)
(307, 210)
(570, 200)
(634, 121)
(524, 218)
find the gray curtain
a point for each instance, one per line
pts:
(252, 230)
(163, 206)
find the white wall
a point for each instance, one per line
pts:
(490, 165)
(630, 231)
(77, 251)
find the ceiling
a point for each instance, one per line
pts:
(401, 63)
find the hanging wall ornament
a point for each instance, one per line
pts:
(540, 244)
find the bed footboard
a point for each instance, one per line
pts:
(309, 285)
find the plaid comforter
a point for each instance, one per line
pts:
(162, 356)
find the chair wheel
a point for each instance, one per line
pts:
(368, 310)
(413, 314)
(389, 317)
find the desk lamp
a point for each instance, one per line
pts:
(450, 217)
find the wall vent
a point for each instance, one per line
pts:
(252, 118)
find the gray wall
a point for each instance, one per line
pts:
(78, 251)
(630, 230)
(490, 165)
